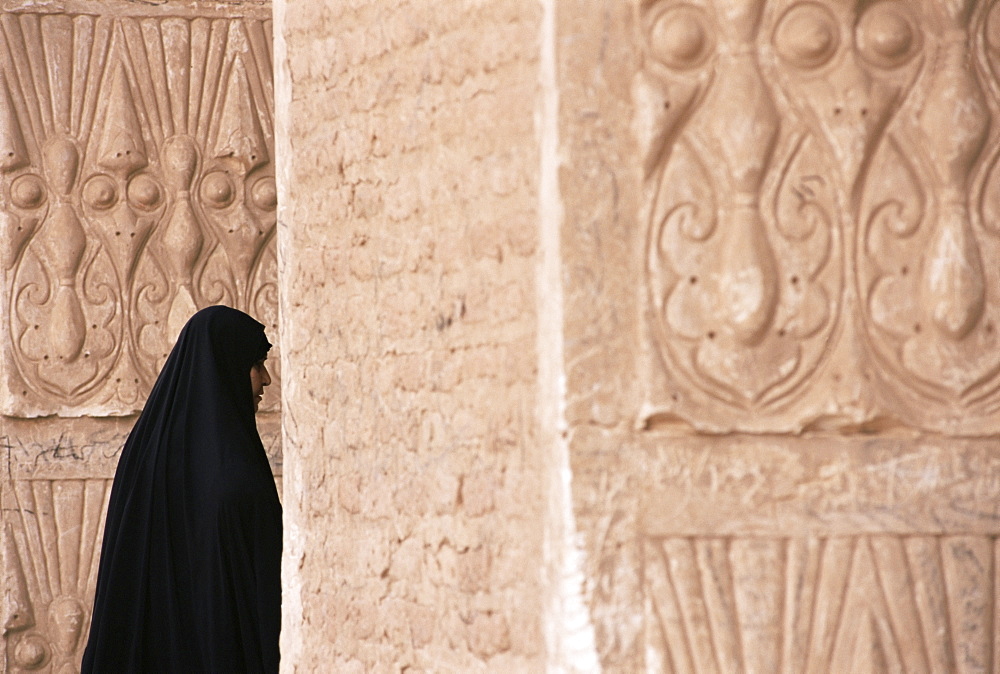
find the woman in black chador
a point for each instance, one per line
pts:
(189, 575)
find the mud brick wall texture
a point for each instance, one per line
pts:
(407, 250)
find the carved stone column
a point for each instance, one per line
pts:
(136, 186)
(782, 266)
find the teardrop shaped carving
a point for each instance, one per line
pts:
(748, 291)
(954, 288)
(744, 258)
(927, 267)
(64, 242)
(62, 164)
(68, 329)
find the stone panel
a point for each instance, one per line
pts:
(53, 497)
(136, 186)
(818, 210)
(780, 278)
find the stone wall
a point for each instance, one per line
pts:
(407, 239)
(766, 347)
(644, 335)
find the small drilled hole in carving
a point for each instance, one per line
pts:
(36, 327)
(989, 328)
(864, 111)
(118, 380)
(837, 111)
(693, 280)
(24, 393)
(131, 233)
(916, 328)
(666, 105)
(904, 270)
(86, 355)
(674, 397)
(711, 334)
(93, 326)
(45, 357)
(118, 233)
(794, 280)
(781, 332)
(136, 380)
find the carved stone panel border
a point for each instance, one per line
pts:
(803, 605)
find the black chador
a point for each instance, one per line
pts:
(189, 574)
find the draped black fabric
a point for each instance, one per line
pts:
(189, 573)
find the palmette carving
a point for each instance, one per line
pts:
(51, 543)
(926, 255)
(848, 604)
(137, 187)
(744, 252)
(872, 174)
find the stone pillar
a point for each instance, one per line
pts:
(136, 186)
(408, 240)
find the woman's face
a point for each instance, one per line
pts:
(259, 378)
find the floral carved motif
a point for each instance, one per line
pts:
(744, 250)
(50, 551)
(136, 185)
(820, 180)
(849, 604)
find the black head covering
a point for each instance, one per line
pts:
(189, 573)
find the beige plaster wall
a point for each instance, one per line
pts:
(408, 173)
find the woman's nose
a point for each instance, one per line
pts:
(266, 378)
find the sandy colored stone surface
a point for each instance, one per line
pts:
(711, 302)
(407, 236)
(780, 335)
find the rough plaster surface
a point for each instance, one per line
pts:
(408, 236)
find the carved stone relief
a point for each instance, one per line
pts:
(813, 188)
(136, 185)
(850, 604)
(53, 500)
